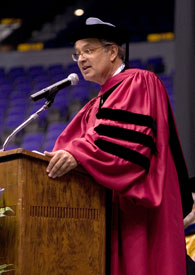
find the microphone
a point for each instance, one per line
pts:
(52, 90)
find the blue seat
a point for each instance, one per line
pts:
(80, 91)
(25, 88)
(83, 83)
(5, 90)
(166, 79)
(94, 86)
(21, 80)
(136, 63)
(32, 141)
(35, 69)
(5, 80)
(58, 77)
(33, 107)
(18, 95)
(13, 121)
(41, 77)
(74, 108)
(36, 72)
(55, 69)
(53, 131)
(12, 146)
(17, 106)
(71, 117)
(2, 71)
(155, 64)
(1, 123)
(3, 103)
(48, 145)
(72, 68)
(16, 71)
(29, 137)
(40, 84)
(168, 82)
(61, 101)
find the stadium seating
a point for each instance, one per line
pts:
(33, 141)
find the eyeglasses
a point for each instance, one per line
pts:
(87, 52)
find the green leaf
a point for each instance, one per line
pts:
(5, 209)
(3, 267)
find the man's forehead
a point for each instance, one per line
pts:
(86, 42)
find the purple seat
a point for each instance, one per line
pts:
(136, 63)
(18, 108)
(80, 92)
(3, 103)
(24, 88)
(1, 123)
(37, 86)
(2, 71)
(48, 145)
(12, 146)
(155, 64)
(17, 95)
(32, 141)
(94, 86)
(61, 102)
(33, 107)
(53, 131)
(13, 121)
(35, 70)
(55, 128)
(72, 68)
(5, 90)
(56, 69)
(21, 80)
(58, 77)
(17, 69)
(15, 72)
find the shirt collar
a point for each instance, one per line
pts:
(119, 69)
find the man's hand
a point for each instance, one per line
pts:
(61, 163)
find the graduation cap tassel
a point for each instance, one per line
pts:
(127, 54)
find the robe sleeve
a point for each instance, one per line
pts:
(127, 144)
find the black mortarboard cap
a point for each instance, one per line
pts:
(96, 28)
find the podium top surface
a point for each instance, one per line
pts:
(20, 152)
(16, 153)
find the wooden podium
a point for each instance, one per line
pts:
(58, 226)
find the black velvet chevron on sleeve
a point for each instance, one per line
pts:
(126, 134)
(127, 117)
(124, 153)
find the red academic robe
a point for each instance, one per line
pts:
(124, 145)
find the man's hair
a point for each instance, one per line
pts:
(121, 50)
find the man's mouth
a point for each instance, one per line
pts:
(85, 68)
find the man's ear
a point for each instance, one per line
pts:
(114, 52)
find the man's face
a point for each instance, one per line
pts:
(94, 60)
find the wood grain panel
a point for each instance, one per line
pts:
(58, 226)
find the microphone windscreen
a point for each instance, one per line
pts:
(73, 78)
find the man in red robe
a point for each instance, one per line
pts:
(122, 138)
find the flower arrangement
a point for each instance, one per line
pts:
(3, 210)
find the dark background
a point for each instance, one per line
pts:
(140, 17)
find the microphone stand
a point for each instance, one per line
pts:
(46, 105)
